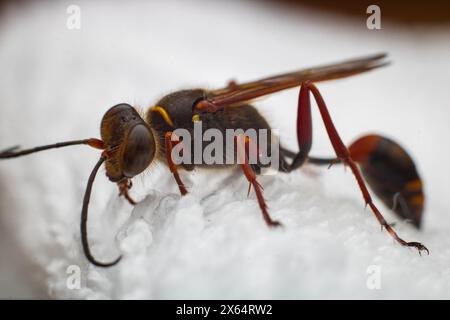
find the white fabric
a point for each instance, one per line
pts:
(55, 85)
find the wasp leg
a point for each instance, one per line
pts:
(243, 147)
(343, 155)
(304, 133)
(389, 171)
(124, 186)
(172, 165)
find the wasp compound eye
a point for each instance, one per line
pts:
(138, 150)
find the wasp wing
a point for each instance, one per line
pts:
(239, 93)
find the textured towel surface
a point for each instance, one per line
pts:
(55, 85)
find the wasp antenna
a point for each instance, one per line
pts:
(84, 218)
(13, 152)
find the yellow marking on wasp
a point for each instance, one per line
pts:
(416, 200)
(414, 185)
(163, 114)
(196, 117)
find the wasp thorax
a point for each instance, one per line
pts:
(129, 142)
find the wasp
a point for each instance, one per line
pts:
(131, 142)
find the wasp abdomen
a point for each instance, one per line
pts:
(392, 175)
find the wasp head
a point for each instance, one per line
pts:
(129, 141)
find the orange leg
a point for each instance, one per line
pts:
(124, 186)
(172, 166)
(251, 177)
(344, 156)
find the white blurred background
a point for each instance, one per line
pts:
(56, 83)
